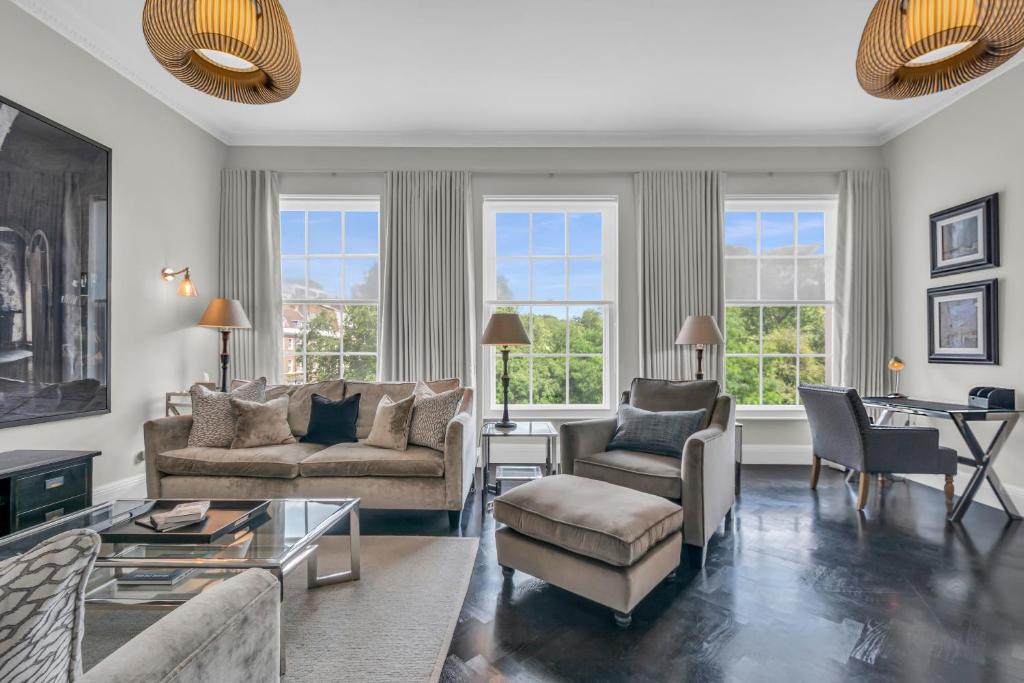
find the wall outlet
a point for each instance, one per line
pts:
(140, 457)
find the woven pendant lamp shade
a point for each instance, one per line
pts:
(917, 47)
(256, 31)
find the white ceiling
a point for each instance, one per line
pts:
(538, 72)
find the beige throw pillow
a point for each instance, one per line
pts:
(391, 423)
(261, 424)
(431, 414)
(213, 420)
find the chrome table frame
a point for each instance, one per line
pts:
(551, 465)
(981, 458)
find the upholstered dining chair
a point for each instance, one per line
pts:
(841, 432)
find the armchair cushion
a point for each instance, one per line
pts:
(662, 433)
(659, 475)
(659, 395)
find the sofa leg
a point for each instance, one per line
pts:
(671, 578)
(508, 572)
(815, 471)
(694, 556)
(623, 619)
(454, 519)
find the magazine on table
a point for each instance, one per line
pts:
(182, 515)
(156, 577)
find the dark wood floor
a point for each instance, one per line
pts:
(799, 588)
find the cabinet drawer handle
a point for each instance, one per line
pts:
(54, 483)
(54, 514)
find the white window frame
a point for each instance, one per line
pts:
(829, 206)
(341, 203)
(608, 207)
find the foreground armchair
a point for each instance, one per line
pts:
(703, 482)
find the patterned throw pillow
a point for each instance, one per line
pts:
(431, 414)
(213, 418)
(261, 424)
(661, 433)
(42, 608)
(391, 424)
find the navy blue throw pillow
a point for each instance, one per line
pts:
(332, 422)
(661, 433)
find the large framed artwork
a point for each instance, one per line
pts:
(965, 237)
(54, 270)
(963, 323)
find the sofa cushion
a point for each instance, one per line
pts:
(213, 418)
(332, 422)
(431, 415)
(281, 462)
(610, 523)
(261, 424)
(661, 394)
(373, 392)
(391, 424)
(300, 399)
(659, 475)
(362, 460)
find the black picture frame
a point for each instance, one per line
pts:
(985, 297)
(985, 213)
(43, 145)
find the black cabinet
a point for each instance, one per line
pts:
(39, 486)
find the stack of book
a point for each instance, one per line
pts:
(185, 514)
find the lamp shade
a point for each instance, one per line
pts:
(187, 287)
(225, 314)
(505, 329)
(700, 329)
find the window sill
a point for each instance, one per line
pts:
(552, 414)
(770, 413)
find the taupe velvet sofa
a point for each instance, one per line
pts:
(418, 478)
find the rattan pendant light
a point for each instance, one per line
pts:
(238, 50)
(917, 47)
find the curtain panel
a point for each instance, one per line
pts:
(679, 219)
(427, 309)
(863, 309)
(250, 268)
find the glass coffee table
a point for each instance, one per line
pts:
(279, 541)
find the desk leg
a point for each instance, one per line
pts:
(985, 460)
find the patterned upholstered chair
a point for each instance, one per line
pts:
(841, 432)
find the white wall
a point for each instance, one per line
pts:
(165, 198)
(973, 148)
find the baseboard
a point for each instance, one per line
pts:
(129, 487)
(764, 454)
(985, 496)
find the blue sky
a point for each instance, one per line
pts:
(776, 232)
(549, 239)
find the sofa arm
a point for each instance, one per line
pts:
(160, 436)
(229, 634)
(585, 437)
(460, 454)
(709, 474)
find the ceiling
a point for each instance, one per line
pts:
(539, 73)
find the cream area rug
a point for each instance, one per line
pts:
(394, 624)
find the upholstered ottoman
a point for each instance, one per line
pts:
(607, 543)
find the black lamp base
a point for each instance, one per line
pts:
(502, 424)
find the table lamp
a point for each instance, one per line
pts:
(225, 315)
(896, 366)
(505, 330)
(700, 331)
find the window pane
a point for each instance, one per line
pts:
(519, 379)
(584, 234)
(293, 369)
(585, 280)
(548, 280)
(293, 278)
(362, 232)
(586, 380)
(293, 232)
(742, 329)
(361, 278)
(741, 380)
(360, 328)
(811, 232)
(513, 279)
(740, 233)
(361, 368)
(324, 279)
(549, 234)
(812, 329)
(324, 330)
(741, 279)
(548, 332)
(777, 233)
(777, 280)
(549, 381)
(322, 368)
(512, 234)
(586, 329)
(779, 382)
(780, 329)
(812, 370)
(324, 232)
(293, 326)
(811, 279)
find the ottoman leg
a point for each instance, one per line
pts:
(507, 572)
(694, 556)
(623, 619)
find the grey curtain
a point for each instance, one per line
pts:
(864, 280)
(427, 317)
(250, 268)
(679, 217)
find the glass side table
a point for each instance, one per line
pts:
(524, 429)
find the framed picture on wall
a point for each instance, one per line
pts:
(963, 323)
(965, 237)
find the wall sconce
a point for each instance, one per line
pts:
(187, 287)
